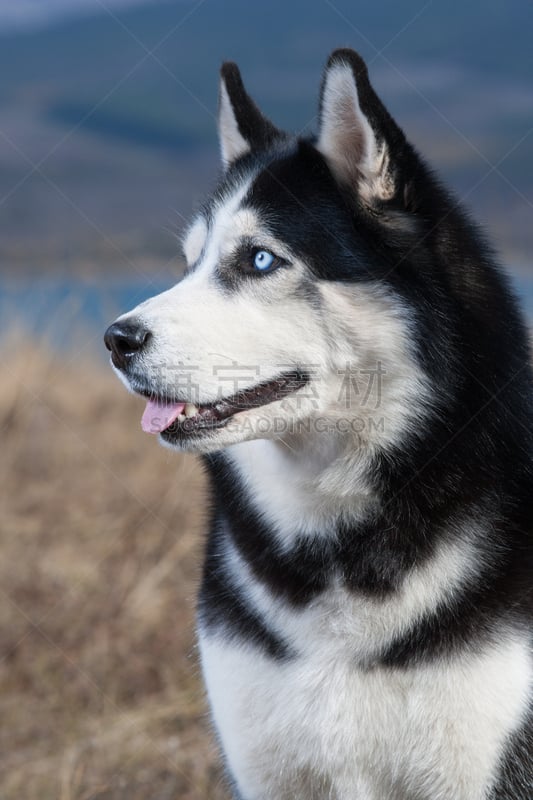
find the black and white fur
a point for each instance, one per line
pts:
(365, 613)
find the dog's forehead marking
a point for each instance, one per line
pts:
(228, 208)
(245, 222)
(200, 235)
(229, 223)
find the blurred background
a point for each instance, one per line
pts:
(107, 144)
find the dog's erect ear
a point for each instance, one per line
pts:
(358, 137)
(241, 126)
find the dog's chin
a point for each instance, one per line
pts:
(204, 441)
(268, 422)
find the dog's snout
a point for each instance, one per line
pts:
(124, 340)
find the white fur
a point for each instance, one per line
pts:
(348, 140)
(323, 728)
(232, 143)
(301, 483)
(349, 626)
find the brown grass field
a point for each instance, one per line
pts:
(100, 550)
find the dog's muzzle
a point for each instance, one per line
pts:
(125, 340)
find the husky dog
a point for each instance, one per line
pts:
(351, 364)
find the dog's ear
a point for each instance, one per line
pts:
(358, 137)
(241, 126)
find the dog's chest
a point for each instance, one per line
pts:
(328, 721)
(324, 725)
(321, 727)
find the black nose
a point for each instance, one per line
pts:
(124, 340)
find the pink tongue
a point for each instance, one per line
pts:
(158, 417)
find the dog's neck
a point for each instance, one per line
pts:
(303, 484)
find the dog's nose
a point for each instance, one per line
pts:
(124, 340)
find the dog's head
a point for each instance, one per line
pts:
(293, 312)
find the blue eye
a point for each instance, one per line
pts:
(263, 260)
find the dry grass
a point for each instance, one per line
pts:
(100, 543)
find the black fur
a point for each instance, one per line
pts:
(516, 773)
(222, 606)
(253, 125)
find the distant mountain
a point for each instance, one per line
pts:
(281, 45)
(138, 86)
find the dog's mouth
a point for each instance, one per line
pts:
(179, 418)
